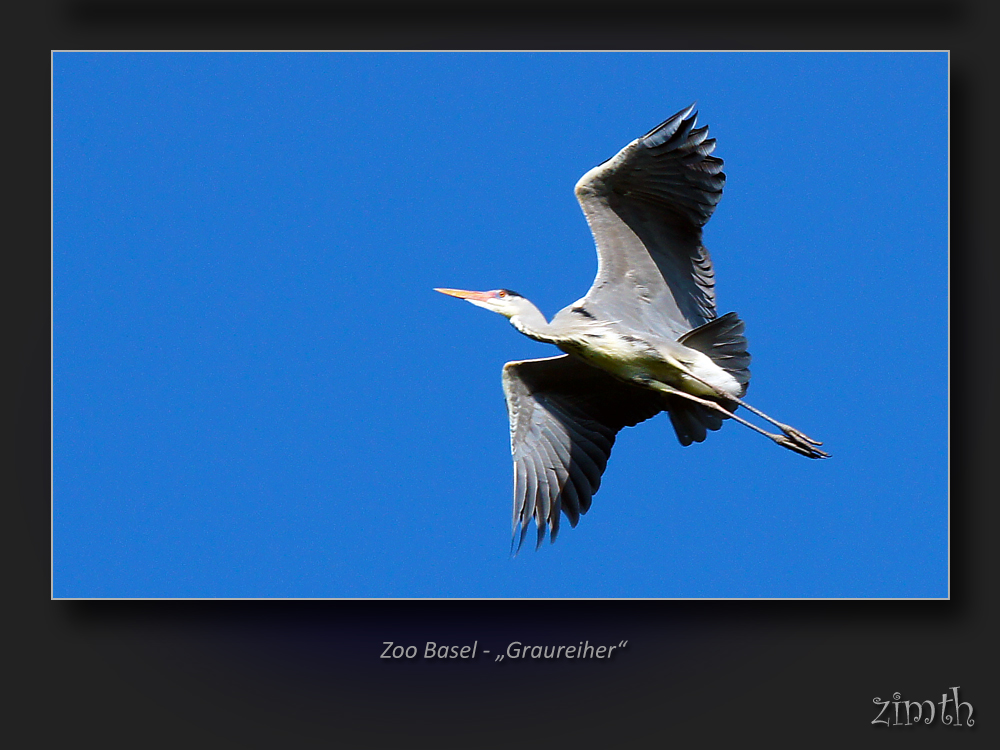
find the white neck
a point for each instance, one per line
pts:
(532, 324)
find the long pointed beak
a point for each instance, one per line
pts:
(463, 294)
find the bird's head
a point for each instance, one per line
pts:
(502, 301)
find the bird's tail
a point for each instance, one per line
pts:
(722, 340)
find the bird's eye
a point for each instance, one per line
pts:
(501, 294)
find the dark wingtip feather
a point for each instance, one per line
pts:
(673, 166)
(520, 539)
(668, 128)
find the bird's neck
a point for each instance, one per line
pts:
(532, 324)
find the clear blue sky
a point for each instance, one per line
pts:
(258, 394)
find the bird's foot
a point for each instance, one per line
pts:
(798, 436)
(799, 446)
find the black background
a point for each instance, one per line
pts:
(308, 673)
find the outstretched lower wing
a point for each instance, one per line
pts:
(646, 207)
(564, 416)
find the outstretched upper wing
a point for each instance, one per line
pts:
(564, 415)
(646, 207)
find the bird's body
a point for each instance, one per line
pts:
(638, 359)
(646, 337)
(633, 356)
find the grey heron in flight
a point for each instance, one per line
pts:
(646, 337)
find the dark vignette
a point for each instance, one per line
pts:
(308, 673)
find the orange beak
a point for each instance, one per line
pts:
(462, 294)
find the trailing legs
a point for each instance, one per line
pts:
(791, 438)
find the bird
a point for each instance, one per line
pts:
(646, 337)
